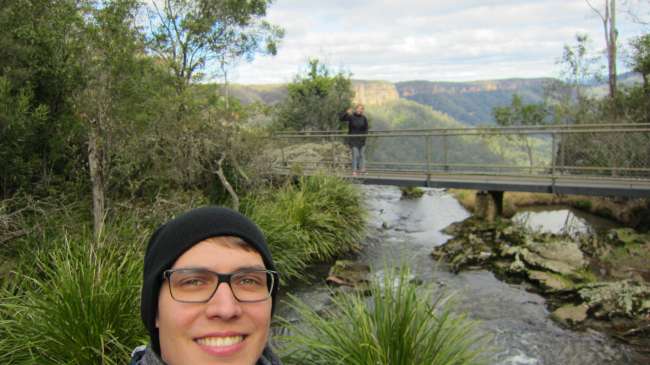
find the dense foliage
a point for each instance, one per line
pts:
(312, 221)
(315, 100)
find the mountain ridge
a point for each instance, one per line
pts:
(469, 102)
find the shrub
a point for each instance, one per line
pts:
(583, 204)
(316, 219)
(78, 305)
(397, 325)
(411, 192)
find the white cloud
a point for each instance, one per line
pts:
(427, 39)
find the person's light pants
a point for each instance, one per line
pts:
(358, 162)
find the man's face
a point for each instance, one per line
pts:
(359, 109)
(223, 330)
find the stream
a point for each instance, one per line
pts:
(405, 231)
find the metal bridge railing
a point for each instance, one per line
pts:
(595, 150)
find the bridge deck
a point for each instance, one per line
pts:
(554, 184)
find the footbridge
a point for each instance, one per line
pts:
(591, 159)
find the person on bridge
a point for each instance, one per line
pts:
(357, 124)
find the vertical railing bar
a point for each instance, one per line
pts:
(553, 153)
(428, 149)
(445, 150)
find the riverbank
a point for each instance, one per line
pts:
(590, 281)
(633, 213)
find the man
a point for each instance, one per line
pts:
(357, 124)
(208, 292)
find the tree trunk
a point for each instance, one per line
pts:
(226, 184)
(95, 162)
(611, 49)
(611, 34)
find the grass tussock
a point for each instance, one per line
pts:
(314, 220)
(77, 305)
(399, 324)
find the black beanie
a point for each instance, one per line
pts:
(178, 235)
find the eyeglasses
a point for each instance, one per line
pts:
(199, 285)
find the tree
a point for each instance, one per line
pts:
(519, 114)
(608, 17)
(568, 100)
(111, 47)
(635, 10)
(641, 58)
(190, 35)
(315, 99)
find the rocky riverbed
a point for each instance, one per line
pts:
(596, 281)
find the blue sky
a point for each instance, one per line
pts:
(438, 40)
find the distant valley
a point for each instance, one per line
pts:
(458, 103)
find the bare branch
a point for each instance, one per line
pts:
(596, 10)
(226, 184)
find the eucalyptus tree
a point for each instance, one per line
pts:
(195, 37)
(110, 64)
(315, 99)
(641, 58)
(192, 35)
(608, 17)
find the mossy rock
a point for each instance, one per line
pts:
(571, 314)
(625, 298)
(550, 282)
(626, 236)
(349, 273)
(562, 257)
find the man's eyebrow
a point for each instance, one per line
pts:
(249, 268)
(237, 269)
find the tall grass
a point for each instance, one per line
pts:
(75, 303)
(316, 219)
(399, 325)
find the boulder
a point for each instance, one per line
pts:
(549, 282)
(571, 314)
(563, 257)
(349, 273)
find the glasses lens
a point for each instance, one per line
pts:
(252, 286)
(198, 286)
(192, 285)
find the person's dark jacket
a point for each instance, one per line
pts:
(146, 356)
(357, 124)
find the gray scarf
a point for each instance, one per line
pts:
(146, 356)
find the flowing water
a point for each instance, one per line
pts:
(405, 231)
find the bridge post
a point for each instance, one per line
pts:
(489, 205)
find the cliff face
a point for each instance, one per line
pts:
(411, 88)
(374, 92)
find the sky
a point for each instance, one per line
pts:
(435, 40)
